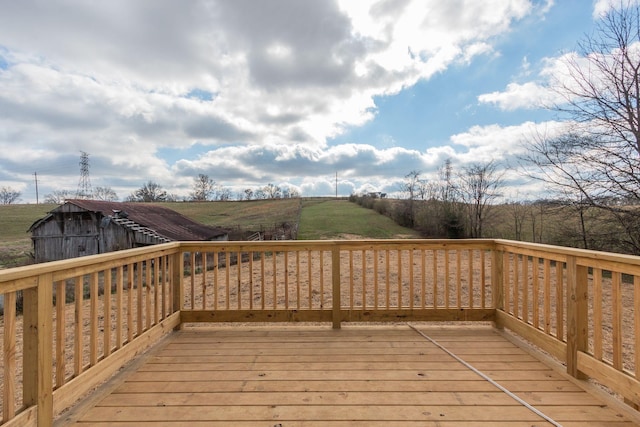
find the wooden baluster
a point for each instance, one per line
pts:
(559, 301)
(130, 276)
(597, 313)
(470, 276)
(335, 279)
(37, 373)
(577, 324)
(93, 319)
(108, 282)
(78, 342)
(547, 296)
(9, 357)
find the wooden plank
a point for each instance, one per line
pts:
(616, 319)
(549, 343)
(119, 306)
(547, 296)
(435, 278)
(577, 321)
(620, 382)
(560, 303)
(192, 281)
(326, 366)
(417, 356)
(9, 357)
(189, 316)
(139, 286)
(446, 279)
(313, 412)
(130, 277)
(37, 346)
(516, 286)
(332, 398)
(93, 316)
(335, 279)
(68, 394)
(318, 376)
(535, 270)
(636, 325)
(107, 311)
(269, 386)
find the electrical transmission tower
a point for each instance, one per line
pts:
(84, 185)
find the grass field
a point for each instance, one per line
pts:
(15, 242)
(336, 219)
(252, 214)
(320, 219)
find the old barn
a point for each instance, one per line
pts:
(88, 227)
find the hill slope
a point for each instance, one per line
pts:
(341, 219)
(320, 219)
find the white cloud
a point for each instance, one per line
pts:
(117, 79)
(602, 7)
(528, 96)
(501, 143)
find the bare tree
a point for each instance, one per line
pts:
(149, 192)
(105, 193)
(413, 187)
(224, 194)
(599, 160)
(518, 213)
(57, 196)
(479, 186)
(248, 194)
(8, 195)
(272, 191)
(260, 194)
(203, 188)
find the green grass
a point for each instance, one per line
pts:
(15, 220)
(334, 219)
(15, 242)
(320, 219)
(251, 215)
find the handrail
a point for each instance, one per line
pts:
(581, 306)
(111, 306)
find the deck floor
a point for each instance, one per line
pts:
(356, 376)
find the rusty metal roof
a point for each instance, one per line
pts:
(164, 221)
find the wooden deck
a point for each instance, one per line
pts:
(282, 375)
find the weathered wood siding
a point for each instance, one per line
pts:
(74, 234)
(66, 236)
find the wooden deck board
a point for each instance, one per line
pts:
(373, 375)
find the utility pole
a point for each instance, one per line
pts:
(35, 175)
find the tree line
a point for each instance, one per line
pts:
(590, 169)
(456, 204)
(203, 189)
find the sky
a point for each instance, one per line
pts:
(289, 92)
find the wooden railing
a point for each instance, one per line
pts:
(338, 281)
(69, 325)
(583, 307)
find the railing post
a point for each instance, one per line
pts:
(497, 284)
(577, 321)
(38, 344)
(176, 282)
(335, 279)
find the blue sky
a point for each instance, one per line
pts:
(288, 92)
(428, 113)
